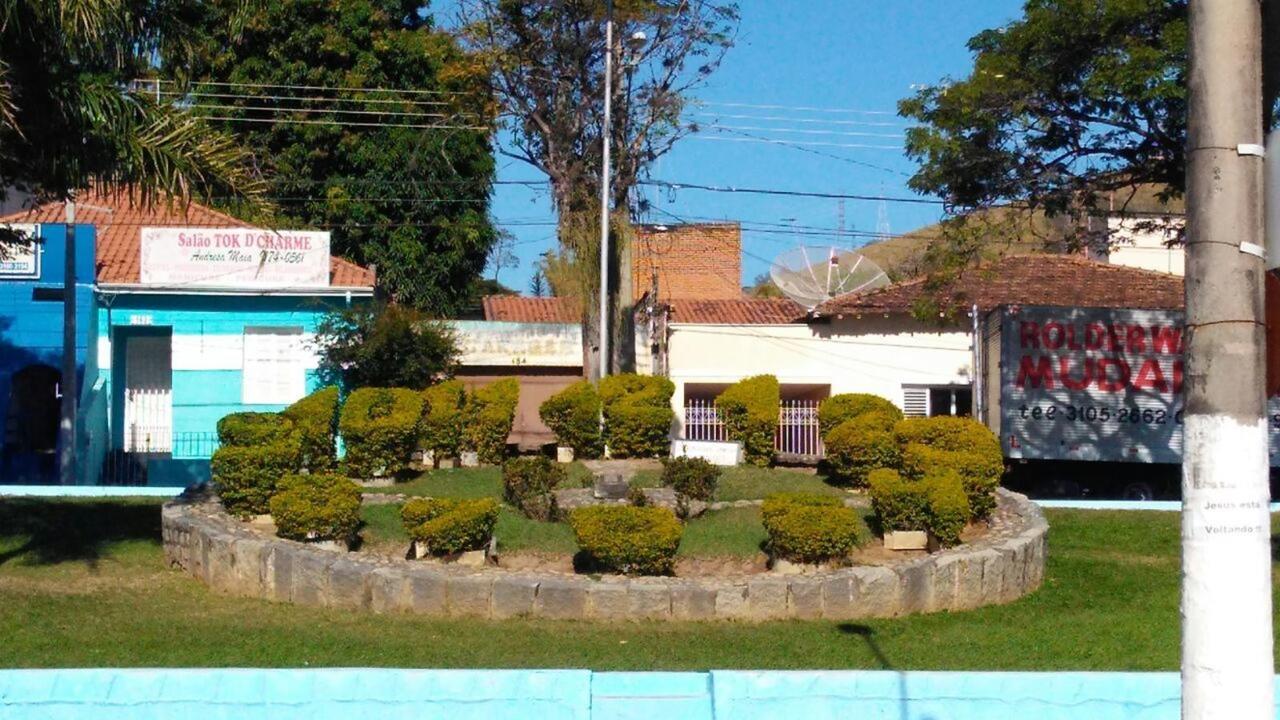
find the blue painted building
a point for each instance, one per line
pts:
(194, 314)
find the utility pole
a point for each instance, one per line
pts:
(605, 129)
(67, 425)
(1227, 663)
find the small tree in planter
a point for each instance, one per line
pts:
(380, 429)
(860, 445)
(637, 414)
(255, 451)
(838, 409)
(693, 480)
(749, 410)
(629, 540)
(490, 413)
(317, 508)
(573, 414)
(962, 444)
(529, 485)
(443, 414)
(443, 526)
(809, 528)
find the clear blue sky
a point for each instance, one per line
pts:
(839, 55)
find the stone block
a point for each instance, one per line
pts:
(1012, 564)
(992, 575)
(469, 595)
(278, 570)
(969, 587)
(690, 601)
(877, 591)
(916, 580)
(513, 596)
(947, 569)
(349, 583)
(805, 598)
(610, 486)
(389, 590)
(219, 571)
(767, 598)
(607, 600)
(247, 561)
(648, 600)
(563, 599)
(311, 576)
(732, 602)
(837, 599)
(428, 592)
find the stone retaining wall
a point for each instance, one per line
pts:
(202, 539)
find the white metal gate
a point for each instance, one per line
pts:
(798, 434)
(148, 393)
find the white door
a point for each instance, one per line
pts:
(148, 393)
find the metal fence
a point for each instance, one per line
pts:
(797, 436)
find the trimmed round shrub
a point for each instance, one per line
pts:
(253, 428)
(948, 507)
(529, 483)
(899, 503)
(246, 477)
(692, 479)
(628, 540)
(952, 443)
(490, 412)
(838, 409)
(573, 414)
(637, 414)
(447, 526)
(443, 410)
(322, 506)
(810, 528)
(858, 446)
(380, 429)
(315, 417)
(749, 410)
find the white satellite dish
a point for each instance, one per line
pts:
(814, 275)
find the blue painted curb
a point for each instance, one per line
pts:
(87, 491)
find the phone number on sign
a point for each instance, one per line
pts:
(1099, 414)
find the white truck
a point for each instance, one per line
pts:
(1087, 400)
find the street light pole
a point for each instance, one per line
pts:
(605, 130)
(70, 389)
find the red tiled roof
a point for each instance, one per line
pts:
(1063, 280)
(517, 308)
(119, 222)
(740, 311)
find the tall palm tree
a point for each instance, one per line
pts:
(69, 118)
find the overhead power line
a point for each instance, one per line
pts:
(788, 193)
(801, 108)
(806, 131)
(802, 142)
(283, 86)
(790, 119)
(343, 123)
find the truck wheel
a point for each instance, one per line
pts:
(1139, 491)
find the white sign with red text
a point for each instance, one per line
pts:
(234, 258)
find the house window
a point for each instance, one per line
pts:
(273, 365)
(931, 400)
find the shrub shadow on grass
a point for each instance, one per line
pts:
(52, 531)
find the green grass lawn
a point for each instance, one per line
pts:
(84, 584)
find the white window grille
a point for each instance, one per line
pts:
(274, 371)
(797, 436)
(915, 401)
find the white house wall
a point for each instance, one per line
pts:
(1144, 244)
(871, 354)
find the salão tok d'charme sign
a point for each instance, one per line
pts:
(234, 257)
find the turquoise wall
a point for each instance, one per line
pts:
(205, 330)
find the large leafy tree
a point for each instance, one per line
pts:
(68, 120)
(545, 60)
(1077, 107)
(368, 121)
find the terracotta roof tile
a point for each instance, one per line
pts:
(739, 311)
(1064, 280)
(119, 222)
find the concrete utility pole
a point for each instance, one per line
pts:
(605, 130)
(1227, 663)
(67, 425)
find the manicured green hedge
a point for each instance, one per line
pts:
(573, 414)
(246, 476)
(949, 508)
(637, 414)
(961, 444)
(691, 479)
(448, 526)
(810, 528)
(315, 417)
(443, 413)
(253, 428)
(529, 483)
(838, 409)
(749, 409)
(491, 411)
(936, 503)
(629, 540)
(858, 446)
(316, 507)
(380, 429)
